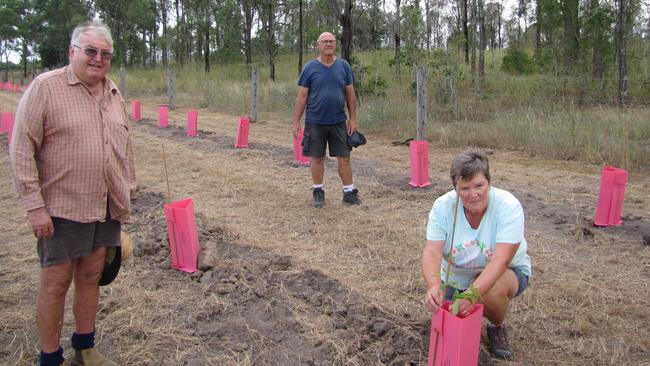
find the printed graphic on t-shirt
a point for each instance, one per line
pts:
(470, 254)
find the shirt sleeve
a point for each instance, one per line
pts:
(304, 79)
(26, 141)
(510, 225)
(349, 77)
(437, 227)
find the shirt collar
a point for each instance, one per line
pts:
(109, 85)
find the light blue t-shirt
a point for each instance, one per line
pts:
(503, 222)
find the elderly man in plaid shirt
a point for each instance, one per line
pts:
(73, 169)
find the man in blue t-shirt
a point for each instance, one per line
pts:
(326, 85)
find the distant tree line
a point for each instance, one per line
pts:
(567, 36)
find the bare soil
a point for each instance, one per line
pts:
(282, 283)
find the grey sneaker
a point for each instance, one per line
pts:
(352, 197)
(499, 346)
(319, 197)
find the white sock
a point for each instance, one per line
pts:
(316, 186)
(348, 188)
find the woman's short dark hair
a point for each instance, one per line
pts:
(469, 163)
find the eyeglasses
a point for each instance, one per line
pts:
(327, 41)
(92, 52)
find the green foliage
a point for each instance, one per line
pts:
(472, 294)
(517, 62)
(367, 86)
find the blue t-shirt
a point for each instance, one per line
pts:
(326, 98)
(503, 222)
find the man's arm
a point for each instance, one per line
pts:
(301, 102)
(351, 101)
(25, 144)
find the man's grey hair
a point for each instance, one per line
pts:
(95, 28)
(467, 164)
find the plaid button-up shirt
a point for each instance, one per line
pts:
(71, 152)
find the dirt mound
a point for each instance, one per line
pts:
(270, 309)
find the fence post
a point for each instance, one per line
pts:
(123, 82)
(255, 79)
(170, 88)
(421, 115)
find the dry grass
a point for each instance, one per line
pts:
(587, 303)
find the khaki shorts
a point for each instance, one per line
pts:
(73, 239)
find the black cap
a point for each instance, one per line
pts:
(111, 265)
(356, 139)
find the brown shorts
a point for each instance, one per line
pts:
(73, 239)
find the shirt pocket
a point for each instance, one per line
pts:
(120, 140)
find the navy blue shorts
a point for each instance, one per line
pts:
(522, 279)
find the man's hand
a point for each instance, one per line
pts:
(352, 126)
(41, 223)
(296, 129)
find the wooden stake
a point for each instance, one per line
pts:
(169, 196)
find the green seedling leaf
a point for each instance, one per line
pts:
(455, 307)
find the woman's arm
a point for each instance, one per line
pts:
(431, 261)
(503, 254)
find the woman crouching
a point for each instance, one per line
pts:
(488, 253)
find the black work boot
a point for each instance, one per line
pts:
(499, 346)
(352, 197)
(319, 197)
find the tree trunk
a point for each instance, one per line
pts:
(622, 52)
(247, 7)
(481, 32)
(472, 40)
(179, 27)
(24, 56)
(538, 26)
(427, 10)
(163, 10)
(300, 40)
(465, 31)
(345, 19)
(572, 33)
(144, 49)
(597, 59)
(398, 21)
(271, 36)
(206, 53)
(499, 23)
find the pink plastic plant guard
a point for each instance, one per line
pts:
(16, 88)
(419, 163)
(8, 86)
(136, 111)
(1, 85)
(183, 235)
(241, 140)
(610, 197)
(298, 157)
(163, 116)
(192, 117)
(6, 121)
(459, 339)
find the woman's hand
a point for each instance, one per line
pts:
(464, 307)
(433, 298)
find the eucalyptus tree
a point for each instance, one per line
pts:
(130, 22)
(56, 21)
(268, 13)
(345, 19)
